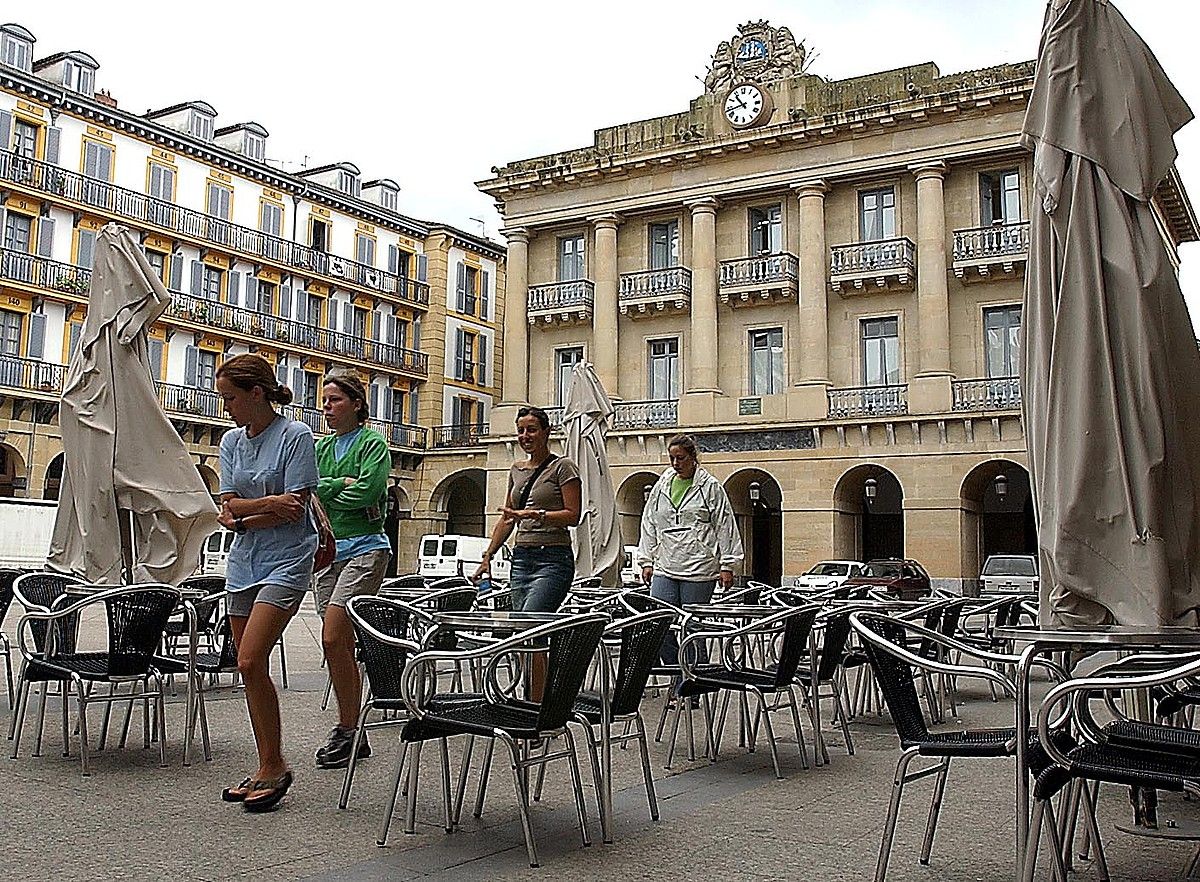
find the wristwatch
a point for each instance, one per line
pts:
(239, 525)
(541, 518)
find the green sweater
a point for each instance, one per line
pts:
(368, 462)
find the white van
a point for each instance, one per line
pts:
(216, 553)
(455, 555)
(631, 573)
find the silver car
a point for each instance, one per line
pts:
(1006, 573)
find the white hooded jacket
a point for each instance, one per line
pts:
(697, 540)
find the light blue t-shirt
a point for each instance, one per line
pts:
(356, 545)
(280, 459)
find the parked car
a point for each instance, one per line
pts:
(631, 573)
(455, 555)
(905, 579)
(1009, 572)
(216, 553)
(828, 574)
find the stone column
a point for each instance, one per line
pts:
(515, 384)
(930, 390)
(814, 281)
(604, 307)
(702, 351)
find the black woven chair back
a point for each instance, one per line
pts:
(404, 583)
(641, 640)
(227, 660)
(789, 598)
(637, 602)
(384, 662)
(833, 645)
(1008, 614)
(796, 629)
(942, 619)
(894, 676)
(7, 577)
(571, 652)
(449, 582)
(136, 622)
(206, 610)
(43, 592)
(501, 601)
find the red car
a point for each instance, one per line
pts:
(904, 579)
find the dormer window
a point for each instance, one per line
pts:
(387, 199)
(349, 183)
(16, 50)
(255, 147)
(79, 78)
(201, 126)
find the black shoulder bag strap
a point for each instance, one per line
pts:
(537, 473)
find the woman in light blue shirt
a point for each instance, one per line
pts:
(268, 470)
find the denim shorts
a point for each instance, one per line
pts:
(541, 576)
(240, 603)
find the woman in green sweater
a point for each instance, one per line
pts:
(353, 464)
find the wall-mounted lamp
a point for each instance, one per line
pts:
(646, 492)
(1001, 485)
(870, 488)
(755, 491)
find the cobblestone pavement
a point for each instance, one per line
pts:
(134, 820)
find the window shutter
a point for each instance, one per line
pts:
(373, 399)
(251, 296)
(484, 297)
(86, 250)
(422, 268)
(389, 399)
(285, 301)
(53, 137)
(393, 258)
(460, 288)
(45, 236)
(197, 278)
(347, 318)
(156, 355)
(459, 359)
(73, 338)
(104, 165)
(5, 131)
(297, 384)
(191, 365)
(176, 272)
(416, 334)
(331, 313)
(376, 321)
(37, 336)
(281, 371)
(232, 293)
(414, 407)
(391, 330)
(456, 411)
(481, 369)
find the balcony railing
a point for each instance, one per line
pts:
(881, 261)
(982, 248)
(646, 414)
(458, 436)
(564, 301)
(191, 401)
(276, 330)
(30, 269)
(766, 277)
(868, 401)
(31, 375)
(655, 290)
(991, 393)
(142, 209)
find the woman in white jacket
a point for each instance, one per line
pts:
(689, 535)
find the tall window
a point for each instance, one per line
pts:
(10, 332)
(211, 282)
(206, 369)
(78, 78)
(97, 165)
(766, 361)
(766, 230)
(18, 232)
(266, 297)
(156, 259)
(162, 188)
(571, 259)
(270, 219)
(364, 249)
(881, 352)
(1000, 198)
(24, 139)
(464, 357)
(1002, 340)
(664, 245)
(219, 201)
(564, 361)
(664, 369)
(85, 247)
(319, 235)
(312, 389)
(15, 52)
(876, 214)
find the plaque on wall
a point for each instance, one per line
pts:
(749, 407)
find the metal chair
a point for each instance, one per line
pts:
(7, 577)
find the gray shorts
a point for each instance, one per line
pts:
(344, 579)
(239, 603)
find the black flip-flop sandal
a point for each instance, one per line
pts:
(275, 791)
(238, 794)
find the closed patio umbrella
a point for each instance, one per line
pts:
(587, 415)
(1110, 371)
(123, 459)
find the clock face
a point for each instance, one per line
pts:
(746, 105)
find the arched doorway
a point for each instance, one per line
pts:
(461, 499)
(398, 509)
(12, 471)
(54, 474)
(757, 501)
(868, 504)
(997, 512)
(631, 501)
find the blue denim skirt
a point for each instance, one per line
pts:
(541, 576)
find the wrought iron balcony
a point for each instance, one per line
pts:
(144, 210)
(458, 436)
(30, 375)
(40, 272)
(763, 279)
(991, 393)
(192, 402)
(998, 251)
(561, 303)
(868, 401)
(654, 292)
(884, 263)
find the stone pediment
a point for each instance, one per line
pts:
(758, 52)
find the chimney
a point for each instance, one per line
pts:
(105, 98)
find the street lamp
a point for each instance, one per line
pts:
(755, 491)
(646, 492)
(1001, 485)
(870, 488)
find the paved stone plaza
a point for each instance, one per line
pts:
(134, 820)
